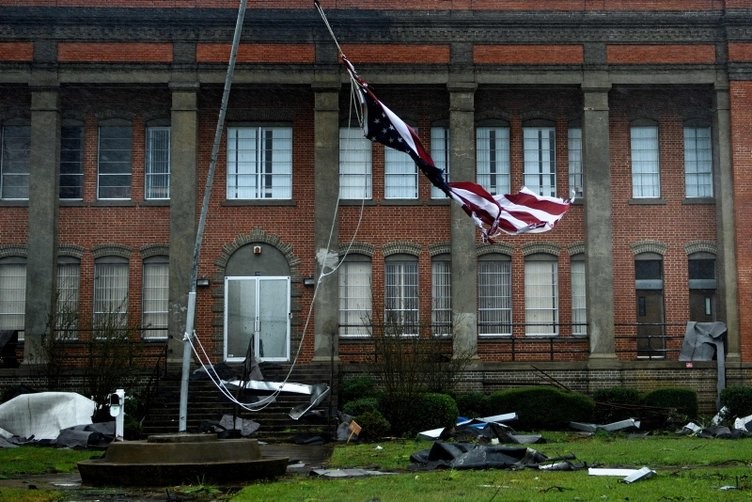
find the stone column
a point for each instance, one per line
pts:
(464, 256)
(183, 194)
(326, 185)
(598, 232)
(724, 200)
(41, 262)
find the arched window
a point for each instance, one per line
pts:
(401, 300)
(702, 287)
(13, 294)
(541, 295)
(494, 295)
(155, 297)
(441, 295)
(355, 295)
(650, 309)
(68, 283)
(110, 296)
(579, 303)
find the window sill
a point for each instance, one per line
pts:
(259, 202)
(698, 200)
(657, 201)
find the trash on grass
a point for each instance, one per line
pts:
(627, 475)
(621, 425)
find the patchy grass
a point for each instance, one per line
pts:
(16, 462)
(687, 469)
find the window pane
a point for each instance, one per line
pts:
(115, 169)
(579, 304)
(71, 162)
(158, 163)
(494, 297)
(541, 297)
(576, 183)
(12, 296)
(540, 160)
(646, 181)
(259, 163)
(110, 297)
(441, 302)
(400, 175)
(440, 156)
(698, 162)
(15, 162)
(155, 298)
(492, 159)
(401, 298)
(354, 298)
(354, 164)
(68, 277)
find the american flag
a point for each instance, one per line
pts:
(513, 214)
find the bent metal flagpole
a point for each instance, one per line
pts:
(191, 311)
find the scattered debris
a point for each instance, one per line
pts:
(621, 425)
(444, 455)
(628, 475)
(347, 473)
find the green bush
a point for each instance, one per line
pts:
(738, 399)
(474, 405)
(615, 403)
(357, 407)
(356, 387)
(543, 407)
(373, 425)
(410, 414)
(683, 401)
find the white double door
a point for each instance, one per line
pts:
(257, 318)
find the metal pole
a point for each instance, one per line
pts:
(191, 311)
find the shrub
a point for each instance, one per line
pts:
(357, 407)
(410, 414)
(738, 399)
(357, 387)
(474, 405)
(373, 425)
(615, 403)
(683, 401)
(543, 407)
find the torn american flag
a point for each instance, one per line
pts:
(517, 213)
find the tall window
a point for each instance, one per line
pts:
(15, 161)
(110, 295)
(441, 295)
(401, 296)
(650, 309)
(400, 175)
(115, 168)
(541, 295)
(440, 156)
(157, 175)
(155, 297)
(579, 304)
(259, 163)
(576, 182)
(492, 158)
(72, 162)
(646, 179)
(540, 159)
(13, 294)
(494, 295)
(702, 287)
(355, 296)
(354, 164)
(698, 162)
(68, 283)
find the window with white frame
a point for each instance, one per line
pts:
(698, 162)
(355, 296)
(492, 159)
(68, 285)
(354, 164)
(157, 175)
(15, 161)
(541, 295)
(110, 296)
(72, 161)
(646, 179)
(400, 175)
(574, 152)
(579, 303)
(440, 156)
(401, 299)
(13, 294)
(441, 295)
(259, 163)
(539, 159)
(115, 169)
(155, 297)
(494, 295)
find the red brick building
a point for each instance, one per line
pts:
(108, 113)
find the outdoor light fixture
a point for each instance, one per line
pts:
(202, 282)
(308, 281)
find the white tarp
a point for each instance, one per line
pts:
(43, 415)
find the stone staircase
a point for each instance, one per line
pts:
(207, 404)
